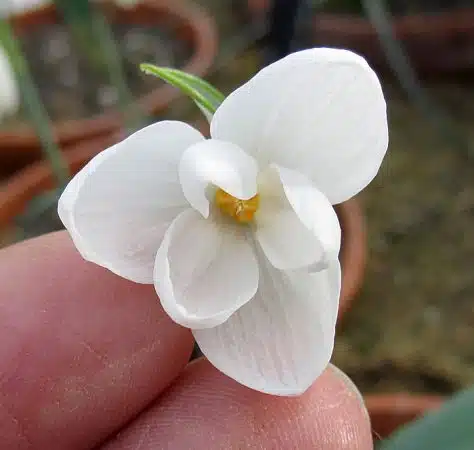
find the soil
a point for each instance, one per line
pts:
(74, 83)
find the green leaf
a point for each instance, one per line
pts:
(206, 96)
(449, 428)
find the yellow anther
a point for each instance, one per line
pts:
(240, 210)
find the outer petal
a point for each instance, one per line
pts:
(297, 227)
(319, 111)
(282, 340)
(204, 271)
(215, 163)
(118, 207)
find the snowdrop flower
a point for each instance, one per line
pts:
(237, 232)
(9, 91)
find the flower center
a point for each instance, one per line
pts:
(240, 210)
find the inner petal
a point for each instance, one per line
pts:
(296, 225)
(203, 271)
(212, 165)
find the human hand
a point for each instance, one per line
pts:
(89, 360)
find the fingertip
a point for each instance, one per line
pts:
(206, 409)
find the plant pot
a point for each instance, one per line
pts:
(23, 186)
(195, 27)
(436, 44)
(353, 251)
(390, 411)
(439, 43)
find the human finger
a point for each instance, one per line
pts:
(82, 350)
(204, 409)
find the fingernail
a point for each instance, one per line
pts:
(350, 384)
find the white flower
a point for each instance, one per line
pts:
(237, 232)
(9, 91)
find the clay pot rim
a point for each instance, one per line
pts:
(442, 24)
(35, 178)
(413, 23)
(389, 412)
(199, 29)
(353, 256)
(402, 403)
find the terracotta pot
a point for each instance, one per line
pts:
(31, 181)
(437, 44)
(21, 145)
(258, 7)
(353, 251)
(390, 411)
(36, 178)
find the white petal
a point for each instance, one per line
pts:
(204, 271)
(319, 111)
(296, 225)
(215, 163)
(282, 340)
(118, 207)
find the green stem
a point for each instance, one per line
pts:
(32, 103)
